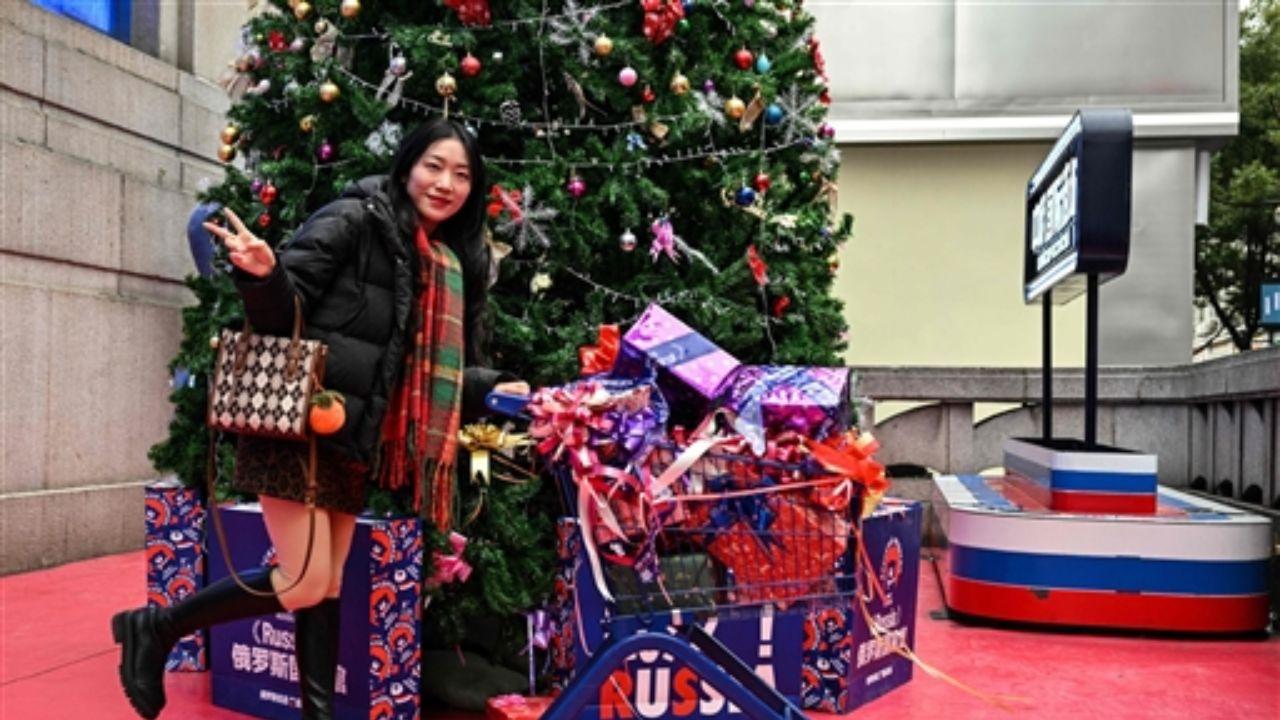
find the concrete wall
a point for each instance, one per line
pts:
(933, 274)
(102, 148)
(1217, 420)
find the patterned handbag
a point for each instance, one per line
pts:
(262, 386)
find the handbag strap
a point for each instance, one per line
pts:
(211, 472)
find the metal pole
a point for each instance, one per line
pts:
(1091, 364)
(1046, 372)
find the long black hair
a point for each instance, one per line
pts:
(464, 232)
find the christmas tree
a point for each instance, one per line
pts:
(638, 152)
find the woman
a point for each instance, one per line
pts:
(392, 277)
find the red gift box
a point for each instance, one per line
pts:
(516, 707)
(791, 558)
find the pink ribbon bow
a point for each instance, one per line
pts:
(664, 240)
(564, 422)
(450, 568)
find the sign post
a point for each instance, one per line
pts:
(1077, 234)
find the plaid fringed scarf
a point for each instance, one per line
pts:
(419, 435)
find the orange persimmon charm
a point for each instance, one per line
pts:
(328, 412)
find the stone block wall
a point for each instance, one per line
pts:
(102, 149)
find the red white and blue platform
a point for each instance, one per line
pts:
(1192, 565)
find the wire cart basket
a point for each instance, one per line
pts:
(695, 534)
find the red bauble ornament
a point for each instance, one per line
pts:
(276, 41)
(780, 305)
(268, 194)
(651, 5)
(648, 95)
(762, 182)
(743, 59)
(264, 221)
(470, 66)
(825, 97)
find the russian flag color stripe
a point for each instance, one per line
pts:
(1094, 502)
(1110, 482)
(1125, 574)
(1090, 608)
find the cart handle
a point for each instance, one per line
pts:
(506, 404)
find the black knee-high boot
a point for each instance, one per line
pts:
(146, 635)
(316, 642)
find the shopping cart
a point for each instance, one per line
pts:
(694, 533)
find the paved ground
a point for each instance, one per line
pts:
(58, 661)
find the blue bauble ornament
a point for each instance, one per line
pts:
(688, 6)
(763, 63)
(745, 196)
(773, 114)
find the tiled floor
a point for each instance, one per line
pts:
(58, 661)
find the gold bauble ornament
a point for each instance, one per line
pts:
(446, 85)
(679, 84)
(329, 91)
(322, 26)
(349, 8)
(307, 123)
(302, 10)
(227, 153)
(734, 107)
(230, 134)
(604, 45)
(214, 342)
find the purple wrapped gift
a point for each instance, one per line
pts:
(812, 401)
(684, 359)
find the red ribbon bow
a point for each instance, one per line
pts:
(471, 12)
(758, 268)
(848, 456)
(598, 358)
(660, 18)
(501, 199)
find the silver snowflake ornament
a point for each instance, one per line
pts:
(524, 220)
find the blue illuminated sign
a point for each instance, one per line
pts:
(109, 16)
(1270, 304)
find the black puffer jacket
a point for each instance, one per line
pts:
(358, 281)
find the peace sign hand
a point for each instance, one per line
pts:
(246, 251)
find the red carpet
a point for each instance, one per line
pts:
(58, 661)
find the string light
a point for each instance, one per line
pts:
(429, 109)
(647, 162)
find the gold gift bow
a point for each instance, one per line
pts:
(482, 440)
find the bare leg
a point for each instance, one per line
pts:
(342, 527)
(288, 524)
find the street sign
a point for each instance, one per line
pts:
(1078, 207)
(1270, 318)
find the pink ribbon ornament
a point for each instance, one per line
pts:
(450, 568)
(664, 240)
